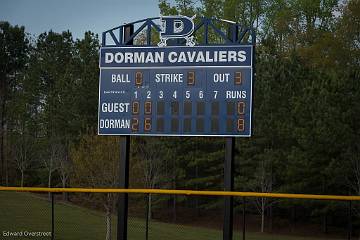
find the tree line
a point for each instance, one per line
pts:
(306, 121)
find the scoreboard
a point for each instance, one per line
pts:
(176, 91)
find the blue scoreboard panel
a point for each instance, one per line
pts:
(176, 91)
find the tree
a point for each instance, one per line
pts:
(23, 151)
(96, 165)
(149, 159)
(262, 182)
(22, 124)
(14, 46)
(85, 81)
(65, 169)
(51, 159)
(53, 68)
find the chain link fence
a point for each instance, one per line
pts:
(93, 215)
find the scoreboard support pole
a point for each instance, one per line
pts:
(233, 33)
(228, 186)
(124, 166)
(123, 183)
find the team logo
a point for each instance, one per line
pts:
(177, 27)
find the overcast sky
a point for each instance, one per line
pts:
(76, 15)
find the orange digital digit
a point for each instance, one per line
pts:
(135, 107)
(238, 78)
(240, 124)
(191, 78)
(147, 107)
(135, 124)
(138, 78)
(147, 124)
(241, 108)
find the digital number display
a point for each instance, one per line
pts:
(170, 100)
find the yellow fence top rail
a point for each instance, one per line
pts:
(183, 192)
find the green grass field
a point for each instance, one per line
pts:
(27, 212)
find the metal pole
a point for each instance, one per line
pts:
(228, 186)
(123, 183)
(350, 222)
(52, 218)
(232, 33)
(128, 30)
(147, 217)
(244, 217)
